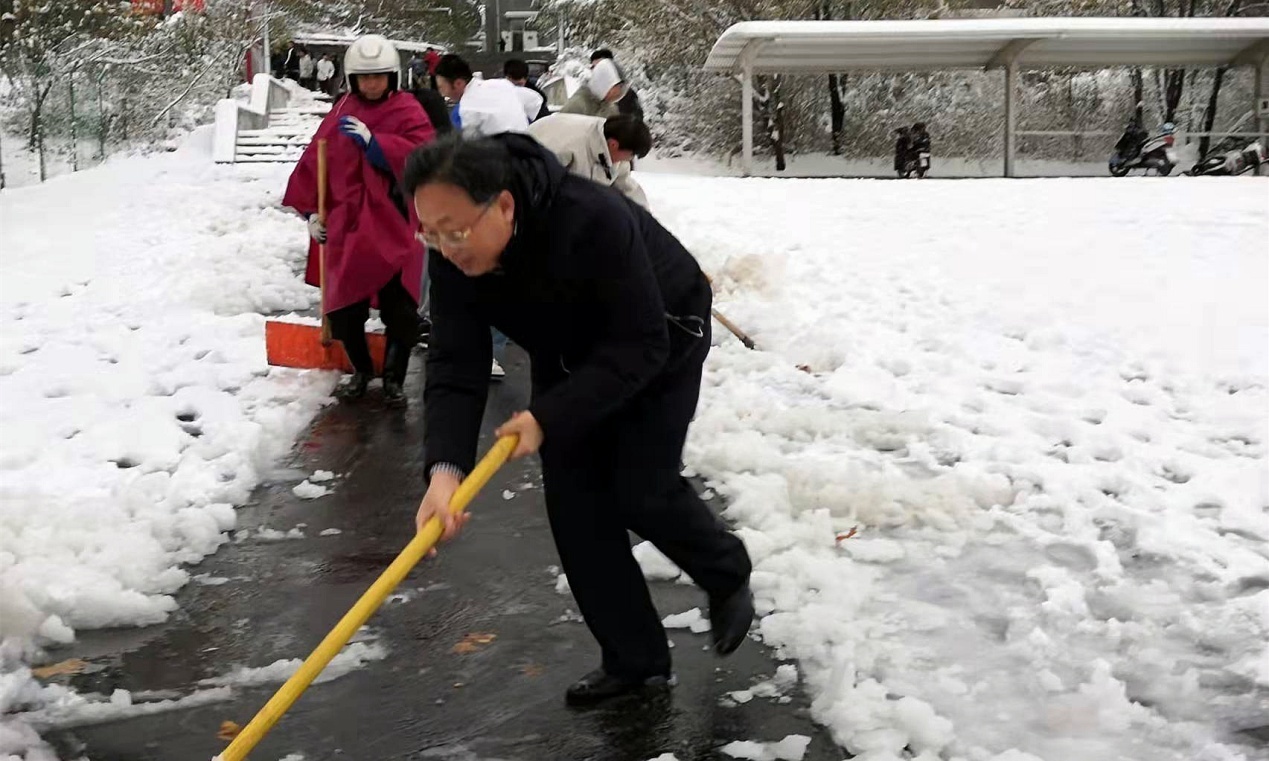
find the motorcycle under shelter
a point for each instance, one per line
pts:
(1008, 45)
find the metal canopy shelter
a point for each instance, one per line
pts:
(1008, 44)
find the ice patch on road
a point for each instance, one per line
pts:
(655, 565)
(791, 748)
(353, 657)
(60, 708)
(777, 688)
(307, 490)
(689, 619)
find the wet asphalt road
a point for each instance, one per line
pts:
(500, 701)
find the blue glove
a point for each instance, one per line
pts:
(356, 129)
(360, 133)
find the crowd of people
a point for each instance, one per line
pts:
(314, 72)
(529, 226)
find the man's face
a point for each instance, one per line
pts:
(471, 236)
(618, 153)
(615, 92)
(452, 89)
(372, 86)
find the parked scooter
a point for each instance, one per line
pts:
(1227, 159)
(1157, 153)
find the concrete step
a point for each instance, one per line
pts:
(280, 134)
(279, 159)
(274, 140)
(268, 150)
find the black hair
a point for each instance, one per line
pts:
(453, 67)
(480, 167)
(919, 127)
(514, 68)
(630, 133)
(601, 53)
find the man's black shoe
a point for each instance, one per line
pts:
(599, 685)
(730, 619)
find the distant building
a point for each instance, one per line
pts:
(516, 27)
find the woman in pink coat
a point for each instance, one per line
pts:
(372, 256)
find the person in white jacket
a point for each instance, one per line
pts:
(483, 106)
(596, 148)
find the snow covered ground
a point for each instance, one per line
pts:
(135, 401)
(1044, 405)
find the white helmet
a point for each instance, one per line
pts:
(372, 54)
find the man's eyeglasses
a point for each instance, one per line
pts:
(435, 239)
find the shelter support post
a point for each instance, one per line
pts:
(1011, 137)
(1258, 92)
(746, 110)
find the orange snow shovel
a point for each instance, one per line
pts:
(248, 737)
(296, 344)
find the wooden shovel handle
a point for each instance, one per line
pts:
(321, 248)
(726, 323)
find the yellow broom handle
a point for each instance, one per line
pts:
(360, 612)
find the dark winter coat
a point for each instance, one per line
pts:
(920, 143)
(602, 297)
(629, 104)
(902, 152)
(545, 110)
(435, 106)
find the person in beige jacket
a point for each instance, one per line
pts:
(596, 148)
(599, 96)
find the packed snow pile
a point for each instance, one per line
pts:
(135, 400)
(1044, 406)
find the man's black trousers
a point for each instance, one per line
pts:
(626, 476)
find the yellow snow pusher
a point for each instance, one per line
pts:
(245, 739)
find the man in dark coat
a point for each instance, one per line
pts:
(903, 153)
(614, 314)
(434, 105)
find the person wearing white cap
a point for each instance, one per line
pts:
(599, 96)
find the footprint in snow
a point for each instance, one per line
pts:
(1073, 556)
